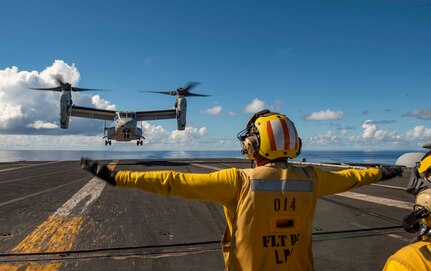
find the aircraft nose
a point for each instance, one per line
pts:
(127, 123)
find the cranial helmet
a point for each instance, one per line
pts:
(424, 168)
(423, 200)
(419, 219)
(421, 176)
(270, 135)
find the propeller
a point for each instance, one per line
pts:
(64, 86)
(185, 91)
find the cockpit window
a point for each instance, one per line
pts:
(127, 114)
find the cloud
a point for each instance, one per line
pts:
(9, 114)
(255, 106)
(371, 131)
(231, 113)
(419, 133)
(40, 124)
(381, 121)
(216, 110)
(324, 115)
(52, 142)
(422, 114)
(26, 111)
(156, 137)
(32, 116)
(188, 134)
(276, 106)
(101, 103)
(371, 137)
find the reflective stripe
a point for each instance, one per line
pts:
(282, 135)
(286, 135)
(281, 185)
(425, 252)
(271, 136)
(293, 136)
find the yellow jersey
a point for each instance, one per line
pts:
(269, 209)
(414, 257)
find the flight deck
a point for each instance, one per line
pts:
(56, 216)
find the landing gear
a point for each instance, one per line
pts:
(126, 133)
(107, 142)
(139, 142)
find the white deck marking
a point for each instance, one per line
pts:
(378, 200)
(34, 176)
(32, 165)
(38, 193)
(388, 186)
(399, 237)
(89, 192)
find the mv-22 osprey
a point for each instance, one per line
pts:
(125, 122)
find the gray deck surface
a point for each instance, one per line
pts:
(128, 229)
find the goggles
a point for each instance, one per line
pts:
(426, 175)
(419, 181)
(424, 167)
(411, 222)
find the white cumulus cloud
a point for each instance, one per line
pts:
(40, 124)
(255, 106)
(189, 133)
(324, 115)
(371, 131)
(370, 137)
(24, 108)
(101, 103)
(419, 133)
(216, 110)
(10, 113)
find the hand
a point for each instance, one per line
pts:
(101, 171)
(389, 172)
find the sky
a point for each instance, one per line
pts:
(350, 74)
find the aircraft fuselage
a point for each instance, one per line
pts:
(125, 128)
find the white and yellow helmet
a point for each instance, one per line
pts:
(270, 135)
(423, 200)
(424, 167)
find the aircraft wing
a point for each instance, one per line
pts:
(92, 113)
(156, 114)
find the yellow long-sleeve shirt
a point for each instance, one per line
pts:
(269, 210)
(414, 257)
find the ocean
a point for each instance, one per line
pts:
(325, 156)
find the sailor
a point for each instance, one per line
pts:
(417, 255)
(269, 208)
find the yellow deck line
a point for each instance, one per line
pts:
(56, 234)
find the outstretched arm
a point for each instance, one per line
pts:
(220, 186)
(341, 181)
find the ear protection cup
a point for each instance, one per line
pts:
(300, 146)
(250, 147)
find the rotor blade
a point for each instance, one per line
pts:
(58, 78)
(195, 94)
(51, 89)
(87, 89)
(173, 93)
(191, 85)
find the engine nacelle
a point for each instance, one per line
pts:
(181, 113)
(65, 109)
